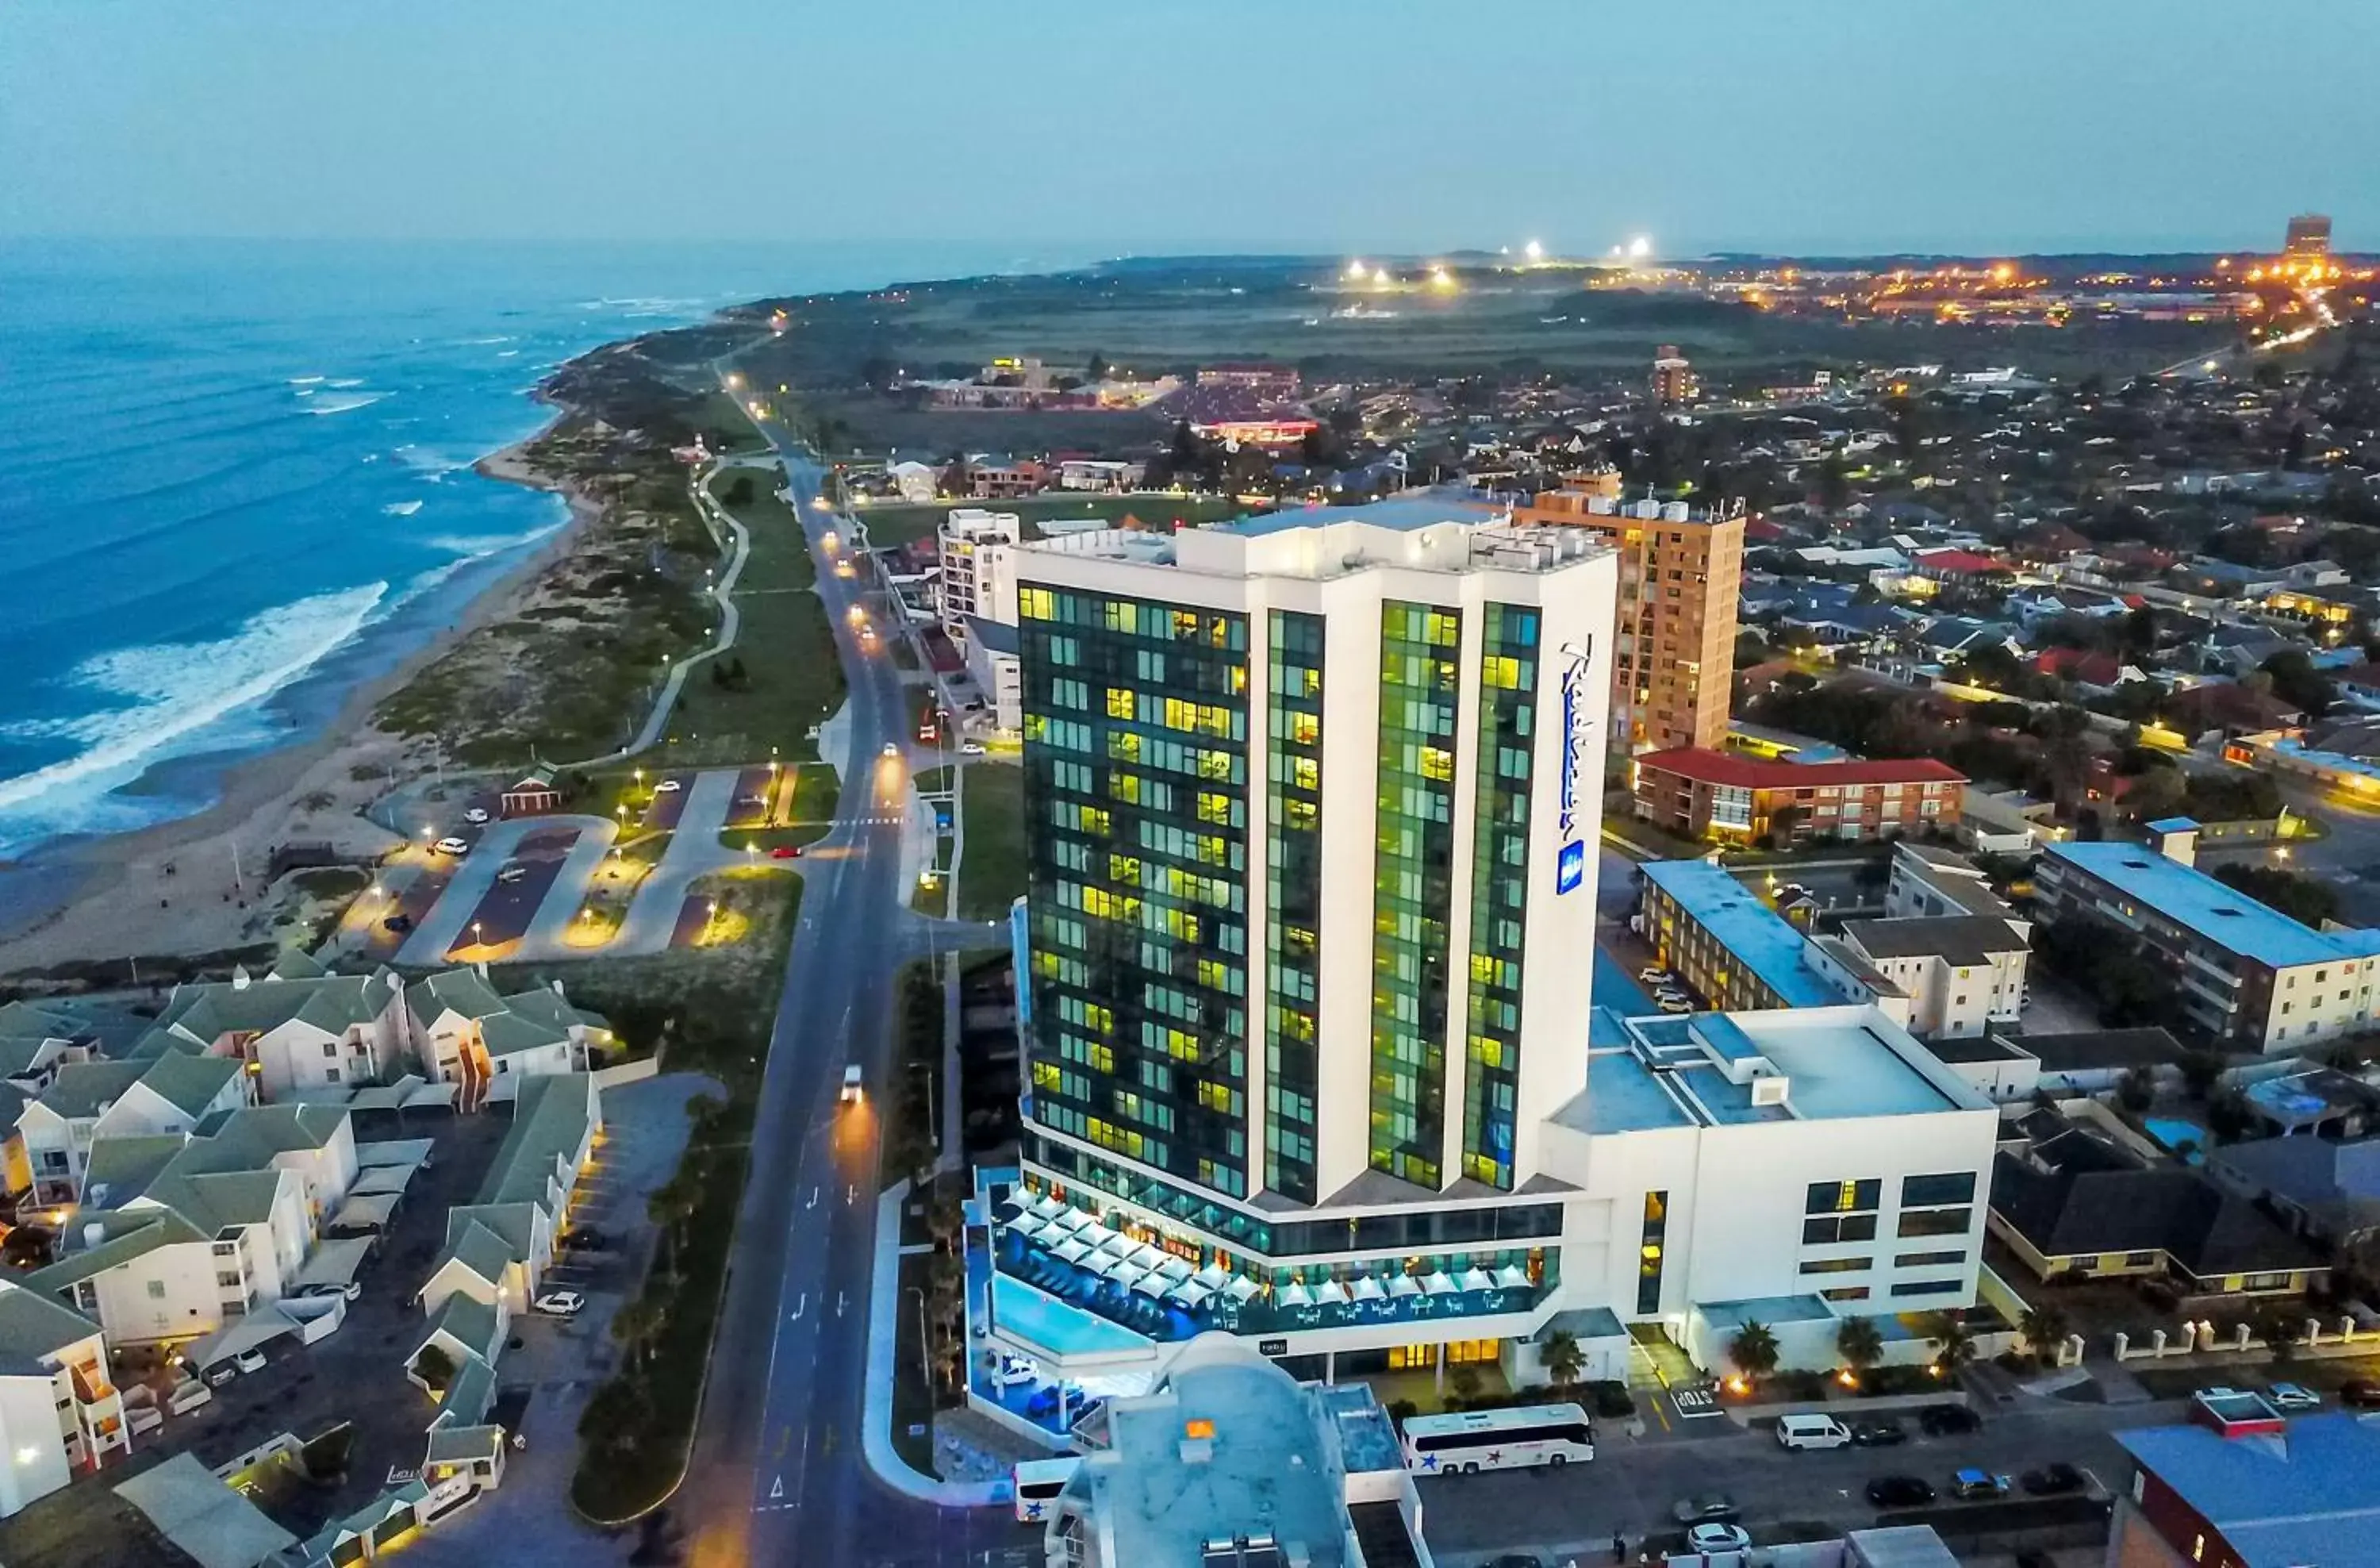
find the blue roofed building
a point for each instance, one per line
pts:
(2307, 1495)
(2247, 976)
(1725, 942)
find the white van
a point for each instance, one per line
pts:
(1811, 1432)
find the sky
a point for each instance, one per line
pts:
(1120, 126)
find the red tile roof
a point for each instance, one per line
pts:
(1965, 562)
(1704, 766)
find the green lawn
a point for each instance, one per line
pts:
(816, 788)
(791, 679)
(898, 524)
(992, 870)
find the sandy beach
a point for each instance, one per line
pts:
(118, 898)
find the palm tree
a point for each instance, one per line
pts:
(2045, 1327)
(1754, 1350)
(1559, 1354)
(1954, 1346)
(1859, 1342)
(670, 1206)
(635, 1325)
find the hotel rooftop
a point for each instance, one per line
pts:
(1742, 923)
(2215, 911)
(1730, 1069)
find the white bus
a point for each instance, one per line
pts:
(1037, 1483)
(1498, 1439)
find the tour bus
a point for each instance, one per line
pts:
(1038, 1484)
(1498, 1439)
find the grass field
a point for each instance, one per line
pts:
(898, 524)
(792, 679)
(992, 870)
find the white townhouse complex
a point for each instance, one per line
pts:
(303, 1030)
(1304, 966)
(60, 1411)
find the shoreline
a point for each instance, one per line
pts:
(95, 905)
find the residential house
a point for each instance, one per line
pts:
(2074, 1202)
(300, 1036)
(86, 1101)
(2329, 1191)
(916, 483)
(466, 1035)
(499, 1245)
(2204, 1496)
(60, 1411)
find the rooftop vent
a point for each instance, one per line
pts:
(1242, 1552)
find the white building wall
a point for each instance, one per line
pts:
(169, 1293)
(2319, 1001)
(33, 1461)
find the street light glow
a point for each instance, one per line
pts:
(1639, 248)
(1534, 251)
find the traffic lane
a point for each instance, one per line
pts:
(1631, 1487)
(504, 913)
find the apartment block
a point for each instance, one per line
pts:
(60, 1411)
(1673, 658)
(1698, 793)
(2246, 975)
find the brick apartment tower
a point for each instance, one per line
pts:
(1673, 660)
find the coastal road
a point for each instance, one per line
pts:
(778, 1473)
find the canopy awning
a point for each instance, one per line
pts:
(1214, 1276)
(1511, 1276)
(1069, 1251)
(1332, 1293)
(1190, 1295)
(1366, 1288)
(1403, 1285)
(1294, 1294)
(1150, 1284)
(1241, 1288)
(1475, 1279)
(1437, 1283)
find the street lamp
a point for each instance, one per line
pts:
(477, 941)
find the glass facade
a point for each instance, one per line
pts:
(1294, 900)
(1500, 888)
(1420, 696)
(1136, 797)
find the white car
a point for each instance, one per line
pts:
(1015, 1371)
(353, 1290)
(452, 847)
(891, 748)
(1671, 994)
(249, 1361)
(668, 786)
(476, 815)
(1654, 977)
(512, 873)
(561, 1304)
(972, 748)
(1709, 1539)
(851, 1090)
(2292, 1396)
(1668, 1005)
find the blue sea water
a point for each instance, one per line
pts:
(235, 478)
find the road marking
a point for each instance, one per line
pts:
(777, 1488)
(814, 1196)
(796, 1315)
(838, 1303)
(850, 1195)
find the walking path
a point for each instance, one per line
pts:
(876, 1416)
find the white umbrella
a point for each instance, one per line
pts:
(1475, 1279)
(1148, 1257)
(1101, 1264)
(1024, 1226)
(1214, 1276)
(1191, 1294)
(1048, 1206)
(1368, 1288)
(1241, 1288)
(1125, 1275)
(1119, 1245)
(1403, 1285)
(1069, 1220)
(1175, 1270)
(1332, 1293)
(1294, 1294)
(1437, 1283)
(1511, 1276)
(1093, 1233)
(1149, 1284)
(1069, 1251)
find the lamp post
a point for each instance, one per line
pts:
(924, 1369)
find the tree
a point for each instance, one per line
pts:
(1859, 1342)
(635, 1325)
(2045, 1327)
(435, 1368)
(2298, 683)
(2304, 899)
(670, 1206)
(739, 490)
(1954, 1345)
(1099, 367)
(1754, 1350)
(2136, 1090)
(1559, 1354)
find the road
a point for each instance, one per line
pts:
(778, 1475)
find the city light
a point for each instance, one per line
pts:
(1534, 251)
(1640, 248)
(1442, 280)
(1356, 271)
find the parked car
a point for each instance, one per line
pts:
(1709, 1539)
(2051, 1480)
(1977, 1485)
(353, 1290)
(1947, 1420)
(398, 922)
(2362, 1394)
(851, 1090)
(451, 846)
(476, 815)
(2292, 1397)
(220, 1373)
(1899, 1491)
(1811, 1431)
(971, 748)
(787, 852)
(669, 786)
(250, 1360)
(512, 873)
(1711, 1508)
(1654, 975)
(1673, 1004)
(143, 1418)
(187, 1395)
(561, 1304)
(1015, 1371)
(1878, 1432)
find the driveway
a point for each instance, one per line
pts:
(527, 1522)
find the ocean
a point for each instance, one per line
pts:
(235, 478)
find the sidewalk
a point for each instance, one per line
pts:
(876, 1417)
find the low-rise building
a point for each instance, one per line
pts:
(498, 1245)
(60, 1411)
(488, 1045)
(2202, 1496)
(165, 1094)
(1231, 1460)
(2246, 975)
(2327, 1190)
(1961, 973)
(300, 1030)
(1730, 798)
(1725, 941)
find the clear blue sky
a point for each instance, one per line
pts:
(1136, 124)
